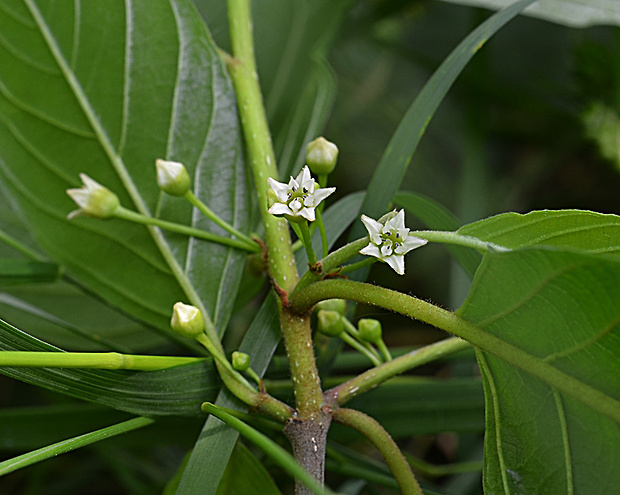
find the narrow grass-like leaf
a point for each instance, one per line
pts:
(245, 474)
(18, 272)
(273, 450)
(173, 391)
(65, 446)
(574, 13)
(215, 444)
(391, 169)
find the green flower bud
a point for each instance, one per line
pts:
(338, 305)
(330, 323)
(172, 177)
(369, 330)
(240, 361)
(187, 320)
(93, 199)
(321, 156)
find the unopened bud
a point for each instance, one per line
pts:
(93, 199)
(321, 156)
(369, 330)
(240, 361)
(172, 177)
(330, 323)
(338, 305)
(187, 320)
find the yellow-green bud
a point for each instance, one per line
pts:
(172, 177)
(321, 156)
(187, 320)
(338, 305)
(240, 361)
(330, 323)
(93, 199)
(369, 330)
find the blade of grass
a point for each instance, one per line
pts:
(65, 446)
(397, 156)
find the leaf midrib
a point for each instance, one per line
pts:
(115, 160)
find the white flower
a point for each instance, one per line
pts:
(172, 177)
(93, 199)
(390, 240)
(299, 197)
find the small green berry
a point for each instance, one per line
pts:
(369, 330)
(330, 323)
(240, 361)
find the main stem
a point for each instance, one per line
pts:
(308, 430)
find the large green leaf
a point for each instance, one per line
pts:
(106, 89)
(576, 13)
(577, 230)
(557, 301)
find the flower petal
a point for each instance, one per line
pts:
(371, 250)
(397, 221)
(374, 229)
(308, 214)
(320, 194)
(410, 242)
(280, 189)
(280, 209)
(397, 262)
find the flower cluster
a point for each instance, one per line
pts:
(298, 199)
(390, 240)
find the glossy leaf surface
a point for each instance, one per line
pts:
(111, 88)
(558, 302)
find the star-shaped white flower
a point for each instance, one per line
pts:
(299, 198)
(390, 240)
(93, 199)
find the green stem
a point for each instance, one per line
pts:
(98, 360)
(450, 322)
(18, 246)
(360, 347)
(207, 212)
(58, 448)
(242, 69)
(457, 239)
(324, 240)
(357, 266)
(362, 383)
(307, 240)
(435, 471)
(132, 216)
(331, 262)
(384, 443)
(351, 330)
(384, 350)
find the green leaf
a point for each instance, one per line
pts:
(391, 169)
(68, 445)
(581, 231)
(172, 391)
(106, 90)
(562, 308)
(17, 272)
(245, 475)
(574, 13)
